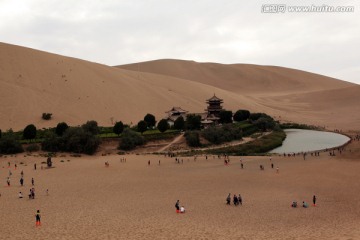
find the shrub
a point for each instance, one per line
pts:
(9, 145)
(46, 116)
(163, 125)
(0, 133)
(130, 139)
(91, 127)
(241, 115)
(221, 134)
(78, 140)
(29, 132)
(192, 138)
(256, 116)
(150, 120)
(32, 148)
(118, 128)
(61, 128)
(75, 140)
(264, 123)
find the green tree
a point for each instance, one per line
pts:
(163, 125)
(118, 128)
(193, 122)
(61, 128)
(142, 126)
(179, 123)
(225, 116)
(265, 123)
(241, 115)
(29, 132)
(256, 116)
(150, 120)
(130, 139)
(91, 127)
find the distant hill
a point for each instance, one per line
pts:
(33, 82)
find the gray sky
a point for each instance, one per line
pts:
(229, 31)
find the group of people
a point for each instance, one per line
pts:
(304, 204)
(178, 208)
(237, 200)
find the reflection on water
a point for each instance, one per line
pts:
(299, 140)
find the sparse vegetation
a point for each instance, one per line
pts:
(10, 145)
(32, 148)
(46, 116)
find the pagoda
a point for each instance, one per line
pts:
(214, 107)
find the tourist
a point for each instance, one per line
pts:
(32, 181)
(294, 204)
(20, 195)
(235, 200)
(177, 206)
(34, 166)
(182, 209)
(37, 217)
(8, 181)
(22, 181)
(305, 205)
(277, 170)
(240, 199)
(314, 200)
(228, 199)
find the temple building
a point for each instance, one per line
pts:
(209, 117)
(174, 114)
(213, 109)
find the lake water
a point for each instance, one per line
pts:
(299, 140)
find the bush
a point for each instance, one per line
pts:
(0, 133)
(78, 140)
(163, 125)
(264, 123)
(130, 139)
(221, 134)
(9, 145)
(256, 116)
(193, 138)
(241, 115)
(32, 148)
(61, 128)
(75, 140)
(29, 132)
(46, 116)
(91, 127)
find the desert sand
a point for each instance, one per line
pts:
(135, 201)
(74, 91)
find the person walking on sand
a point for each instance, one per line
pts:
(8, 181)
(235, 200)
(22, 181)
(277, 170)
(32, 181)
(37, 217)
(314, 200)
(240, 199)
(177, 206)
(228, 199)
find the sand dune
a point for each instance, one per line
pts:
(33, 82)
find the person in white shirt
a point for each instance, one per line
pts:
(182, 209)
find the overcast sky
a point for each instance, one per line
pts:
(115, 32)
